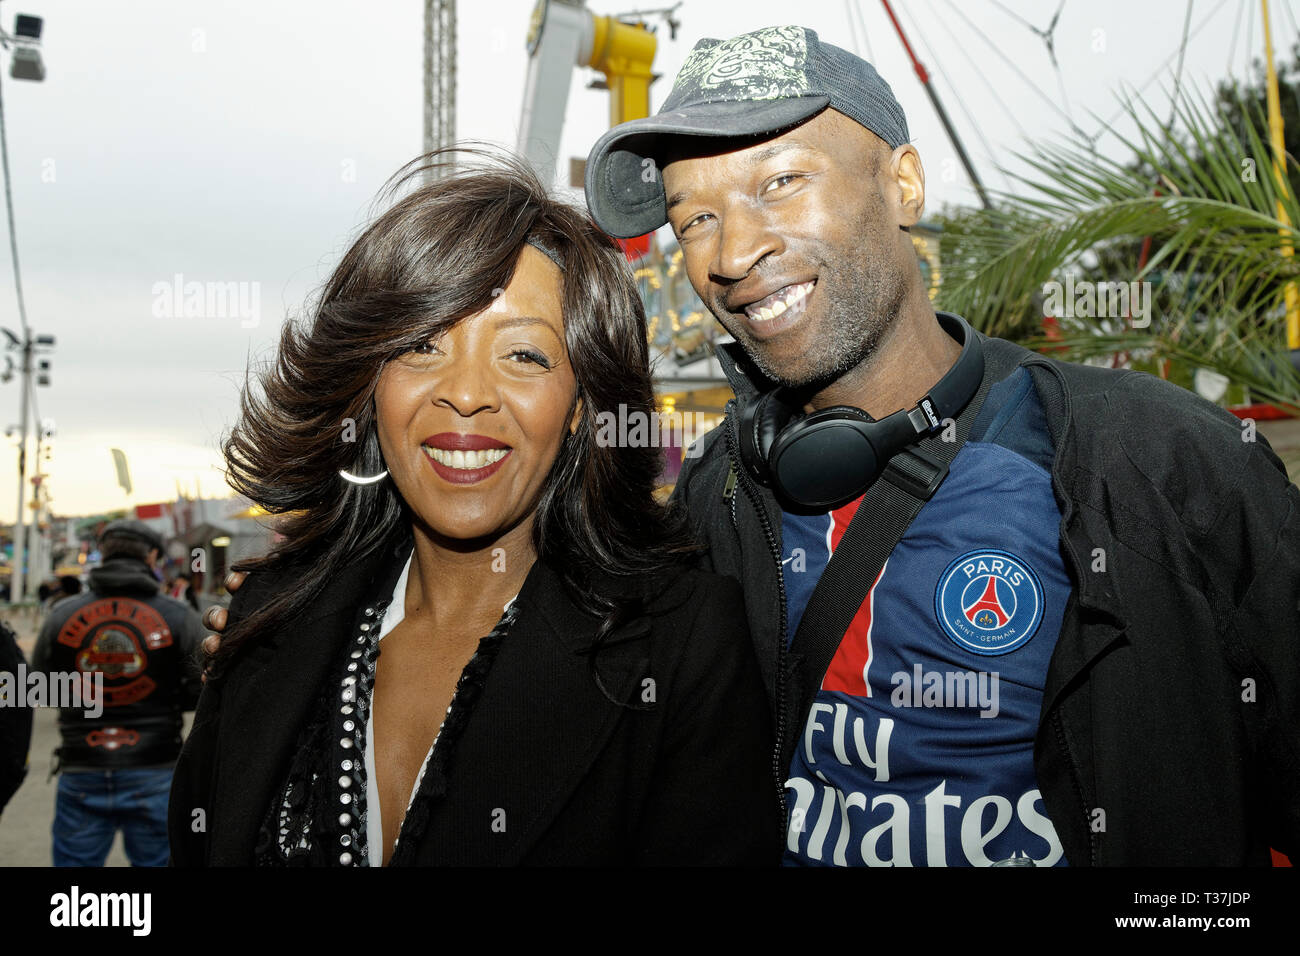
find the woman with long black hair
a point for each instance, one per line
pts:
(479, 641)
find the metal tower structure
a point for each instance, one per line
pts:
(439, 73)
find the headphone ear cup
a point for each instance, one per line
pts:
(761, 424)
(825, 460)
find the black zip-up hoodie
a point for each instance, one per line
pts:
(1170, 727)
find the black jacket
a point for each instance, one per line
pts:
(580, 779)
(15, 721)
(146, 645)
(1170, 725)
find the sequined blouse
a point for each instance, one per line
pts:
(319, 816)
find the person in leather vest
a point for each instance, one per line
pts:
(117, 753)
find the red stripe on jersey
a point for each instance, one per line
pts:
(847, 672)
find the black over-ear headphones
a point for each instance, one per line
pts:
(824, 460)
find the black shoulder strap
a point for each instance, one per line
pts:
(887, 508)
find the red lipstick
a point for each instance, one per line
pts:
(454, 440)
(450, 442)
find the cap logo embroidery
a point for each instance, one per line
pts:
(764, 65)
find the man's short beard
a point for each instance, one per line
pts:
(855, 326)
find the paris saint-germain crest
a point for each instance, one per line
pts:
(989, 602)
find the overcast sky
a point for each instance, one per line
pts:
(243, 141)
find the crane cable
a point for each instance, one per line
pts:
(853, 28)
(938, 63)
(1232, 47)
(1049, 41)
(13, 234)
(862, 24)
(961, 47)
(1019, 72)
(1178, 73)
(1192, 35)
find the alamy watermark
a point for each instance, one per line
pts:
(922, 688)
(179, 299)
(1083, 299)
(133, 911)
(637, 429)
(72, 691)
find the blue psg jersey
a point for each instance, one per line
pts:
(918, 750)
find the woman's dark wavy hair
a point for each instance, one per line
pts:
(432, 259)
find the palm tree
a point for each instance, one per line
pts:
(1206, 203)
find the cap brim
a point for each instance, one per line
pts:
(625, 193)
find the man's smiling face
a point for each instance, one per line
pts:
(794, 241)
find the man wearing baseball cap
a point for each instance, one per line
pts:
(1079, 641)
(116, 757)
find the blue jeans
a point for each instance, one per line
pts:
(91, 806)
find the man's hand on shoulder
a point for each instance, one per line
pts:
(216, 617)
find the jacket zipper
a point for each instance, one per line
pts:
(729, 492)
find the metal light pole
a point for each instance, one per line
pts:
(16, 581)
(28, 344)
(39, 550)
(439, 73)
(25, 45)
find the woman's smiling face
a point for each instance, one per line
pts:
(471, 423)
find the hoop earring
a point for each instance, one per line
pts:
(359, 480)
(369, 452)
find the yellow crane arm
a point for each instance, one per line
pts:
(624, 52)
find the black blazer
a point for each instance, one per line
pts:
(581, 780)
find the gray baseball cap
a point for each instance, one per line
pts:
(757, 83)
